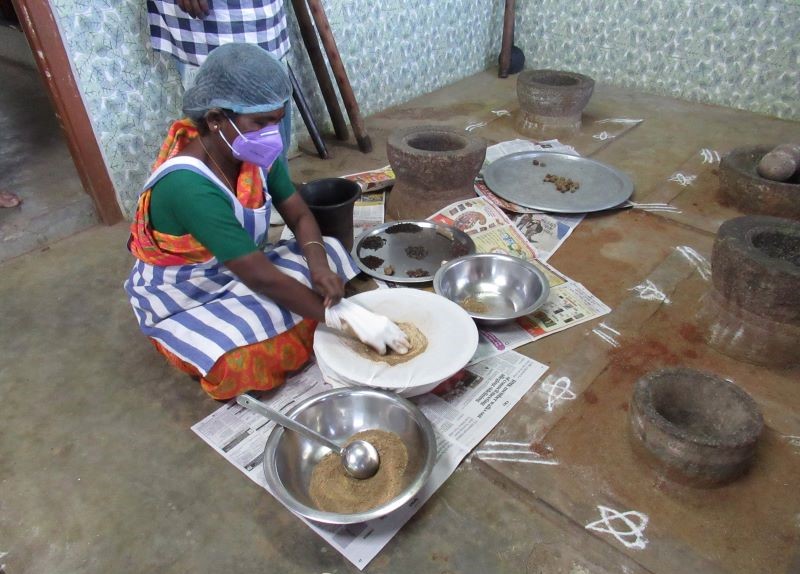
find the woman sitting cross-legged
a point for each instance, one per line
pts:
(212, 296)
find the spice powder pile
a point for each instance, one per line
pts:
(333, 490)
(417, 341)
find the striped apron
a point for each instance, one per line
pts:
(201, 311)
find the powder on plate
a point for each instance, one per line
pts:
(371, 261)
(403, 228)
(563, 184)
(417, 341)
(416, 251)
(458, 250)
(417, 273)
(333, 490)
(373, 242)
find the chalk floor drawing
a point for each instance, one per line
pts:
(607, 334)
(683, 179)
(512, 451)
(558, 390)
(709, 155)
(793, 440)
(619, 121)
(631, 526)
(649, 292)
(497, 114)
(699, 262)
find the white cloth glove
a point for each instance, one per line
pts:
(374, 330)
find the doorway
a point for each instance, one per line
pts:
(39, 164)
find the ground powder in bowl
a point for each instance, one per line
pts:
(333, 490)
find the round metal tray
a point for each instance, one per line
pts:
(433, 242)
(516, 178)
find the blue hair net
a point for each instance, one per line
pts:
(243, 78)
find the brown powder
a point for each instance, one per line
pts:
(472, 305)
(417, 340)
(418, 273)
(416, 251)
(371, 261)
(458, 250)
(563, 184)
(403, 228)
(373, 242)
(333, 490)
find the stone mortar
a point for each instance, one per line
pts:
(434, 166)
(551, 100)
(755, 276)
(746, 336)
(741, 187)
(755, 265)
(694, 427)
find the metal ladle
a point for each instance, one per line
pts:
(359, 458)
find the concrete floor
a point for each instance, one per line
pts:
(101, 473)
(35, 162)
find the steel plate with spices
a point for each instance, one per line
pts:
(409, 251)
(557, 182)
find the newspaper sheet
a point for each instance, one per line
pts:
(569, 304)
(463, 412)
(368, 212)
(546, 232)
(373, 180)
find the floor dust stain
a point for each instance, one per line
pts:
(637, 358)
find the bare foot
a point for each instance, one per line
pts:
(8, 199)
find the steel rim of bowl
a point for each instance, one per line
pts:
(278, 491)
(437, 284)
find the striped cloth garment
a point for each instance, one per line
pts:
(201, 311)
(260, 22)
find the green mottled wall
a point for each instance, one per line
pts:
(736, 53)
(740, 54)
(393, 50)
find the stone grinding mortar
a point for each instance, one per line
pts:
(434, 166)
(752, 311)
(741, 187)
(551, 100)
(694, 427)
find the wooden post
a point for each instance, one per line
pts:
(305, 113)
(346, 90)
(320, 69)
(44, 38)
(508, 39)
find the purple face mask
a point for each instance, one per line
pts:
(261, 147)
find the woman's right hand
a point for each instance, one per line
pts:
(375, 330)
(329, 285)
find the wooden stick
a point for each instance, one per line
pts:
(305, 113)
(508, 39)
(345, 89)
(309, 35)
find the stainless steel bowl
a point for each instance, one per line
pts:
(493, 288)
(338, 414)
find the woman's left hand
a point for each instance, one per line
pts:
(329, 285)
